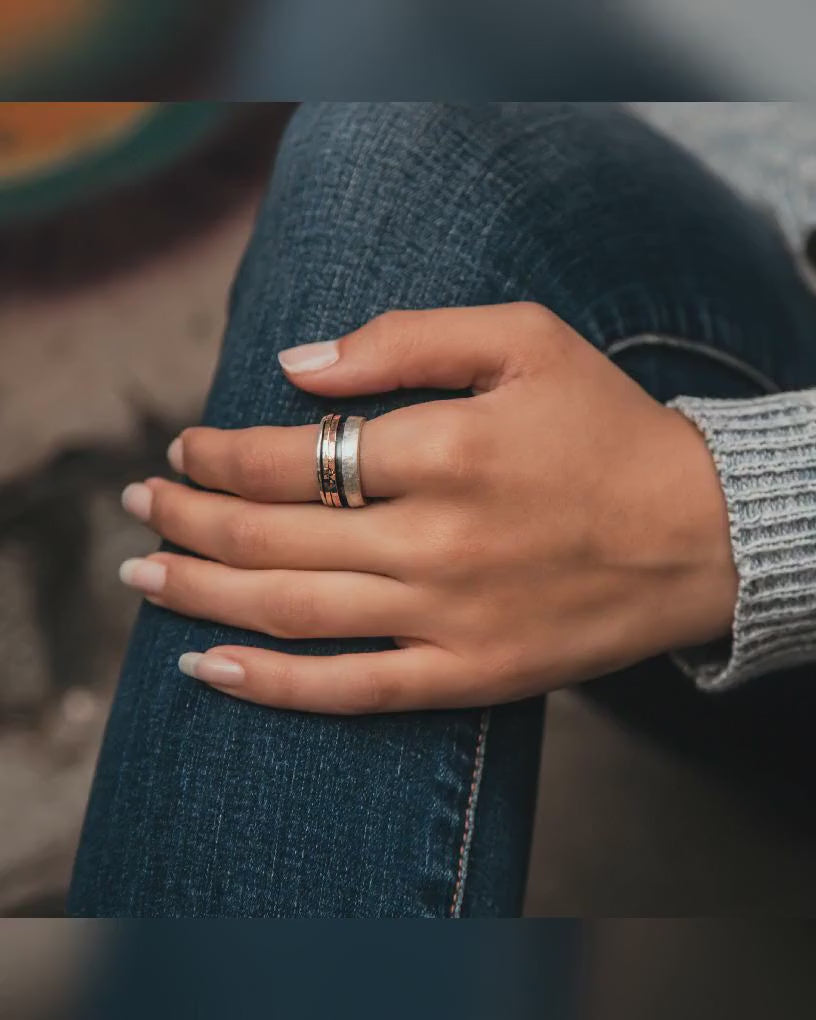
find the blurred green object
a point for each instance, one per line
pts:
(154, 141)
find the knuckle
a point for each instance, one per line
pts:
(451, 455)
(449, 534)
(457, 550)
(541, 334)
(244, 538)
(502, 670)
(445, 547)
(390, 322)
(532, 313)
(280, 680)
(380, 329)
(474, 545)
(395, 331)
(366, 692)
(251, 463)
(291, 611)
(166, 510)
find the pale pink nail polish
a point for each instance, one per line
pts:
(211, 669)
(310, 357)
(175, 455)
(146, 575)
(137, 499)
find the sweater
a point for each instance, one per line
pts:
(765, 453)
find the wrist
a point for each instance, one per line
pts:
(703, 589)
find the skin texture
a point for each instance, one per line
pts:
(557, 525)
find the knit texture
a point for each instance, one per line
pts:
(765, 453)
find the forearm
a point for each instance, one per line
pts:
(765, 454)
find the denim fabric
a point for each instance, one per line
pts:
(203, 805)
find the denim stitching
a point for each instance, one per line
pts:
(470, 813)
(759, 378)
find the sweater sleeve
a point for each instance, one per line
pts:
(765, 453)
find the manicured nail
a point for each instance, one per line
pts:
(212, 669)
(146, 575)
(310, 357)
(137, 500)
(175, 455)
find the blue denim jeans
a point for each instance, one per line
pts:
(203, 805)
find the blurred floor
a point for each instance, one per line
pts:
(105, 355)
(110, 321)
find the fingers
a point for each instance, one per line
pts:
(257, 535)
(284, 603)
(450, 348)
(277, 464)
(399, 680)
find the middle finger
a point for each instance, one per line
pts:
(240, 533)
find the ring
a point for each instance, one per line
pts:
(338, 460)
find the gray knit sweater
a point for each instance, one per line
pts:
(765, 453)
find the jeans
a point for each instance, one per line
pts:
(205, 806)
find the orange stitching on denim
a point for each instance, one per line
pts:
(470, 812)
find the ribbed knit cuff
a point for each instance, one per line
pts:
(765, 453)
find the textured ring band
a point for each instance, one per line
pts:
(351, 488)
(338, 461)
(321, 432)
(329, 492)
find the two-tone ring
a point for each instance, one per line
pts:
(338, 460)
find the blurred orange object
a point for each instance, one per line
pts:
(29, 26)
(37, 136)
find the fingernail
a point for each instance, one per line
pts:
(175, 455)
(211, 669)
(310, 357)
(137, 500)
(146, 575)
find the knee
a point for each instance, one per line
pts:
(338, 133)
(421, 142)
(342, 147)
(425, 162)
(468, 153)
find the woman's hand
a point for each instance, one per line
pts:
(557, 525)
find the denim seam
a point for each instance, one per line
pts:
(470, 815)
(749, 371)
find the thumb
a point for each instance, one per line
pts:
(441, 348)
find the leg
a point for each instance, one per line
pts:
(202, 805)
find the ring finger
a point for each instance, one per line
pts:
(276, 464)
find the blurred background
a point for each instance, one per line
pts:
(120, 229)
(372, 49)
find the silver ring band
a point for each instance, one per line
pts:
(350, 460)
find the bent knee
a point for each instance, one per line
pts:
(430, 131)
(426, 160)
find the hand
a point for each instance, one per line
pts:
(555, 526)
